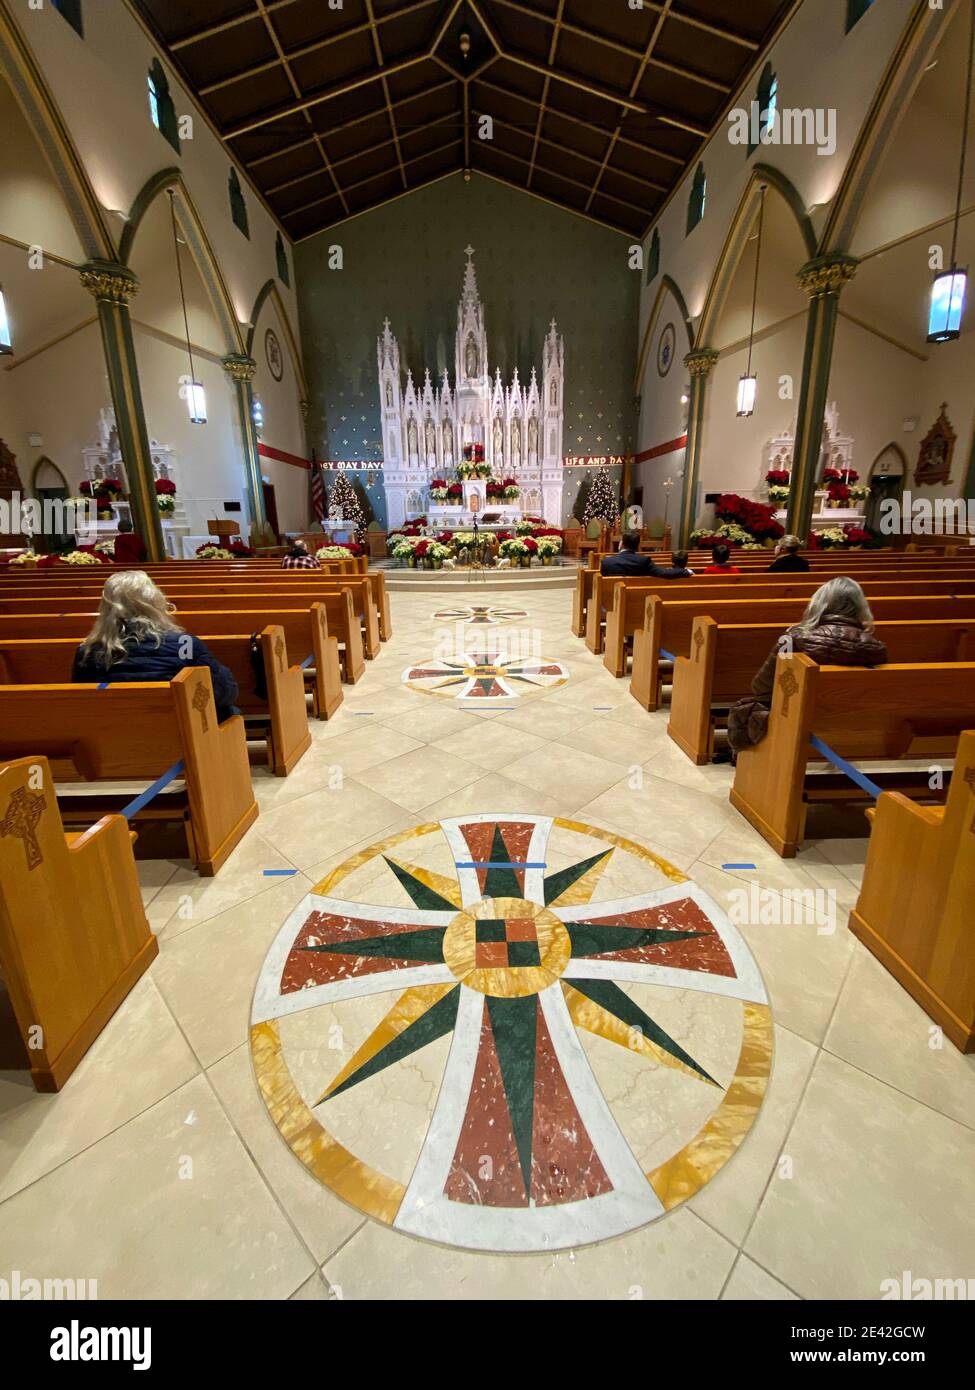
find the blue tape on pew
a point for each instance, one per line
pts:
(143, 799)
(667, 656)
(308, 661)
(104, 685)
(848, 770)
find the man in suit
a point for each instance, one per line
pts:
(628, 560)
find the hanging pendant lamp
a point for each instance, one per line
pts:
(196, 400)
(950, 286)
(748, 384)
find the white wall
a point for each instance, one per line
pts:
(283, 424)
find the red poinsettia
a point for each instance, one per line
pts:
(509, 482)
(455, 490)
(856, 535)
(165, 487)
(239, 548)
(494, 490)
(531, 545)
(474, 453)
(102, 488)
(709, 542)
(840, 475)
(778, 477)
(439, 482)
(838, 492)
(546, 531)
(755, 517)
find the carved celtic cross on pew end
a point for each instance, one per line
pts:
(201, 699)
(788, 685)
(24, 811)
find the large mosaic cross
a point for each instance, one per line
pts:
(24, 811)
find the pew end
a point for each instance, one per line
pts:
(74, 938)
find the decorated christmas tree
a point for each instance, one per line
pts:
(343, 498)
(602, 503)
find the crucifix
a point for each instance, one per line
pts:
(24, 811)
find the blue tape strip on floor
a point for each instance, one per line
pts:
(501, 864)
(143, 799)
(738, 866)
(308, 661)
(279, 873)
(667, 656)
(104, 685)
(848, 770)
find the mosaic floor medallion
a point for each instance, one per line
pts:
(483, 616)
(511, 1033)
(480, 675)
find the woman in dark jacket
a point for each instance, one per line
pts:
(135, 639)
(835, 630)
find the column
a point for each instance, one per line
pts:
(700, 365)
(112, 287)
(241, 372)
(822, 280)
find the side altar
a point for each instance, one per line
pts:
(515, 430)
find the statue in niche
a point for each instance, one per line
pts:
(389, 395)
(448, 443)
(533, 438)
(431, 434)
(470, 357)
(553, 393)
(516, 443)
(498, 440)
(413, 442)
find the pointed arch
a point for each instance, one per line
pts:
(269, 290)
(737, 238)
(912, 55)
(666, 286)
(892, 448)
(35, 473)
(18, 66)
(191, 225)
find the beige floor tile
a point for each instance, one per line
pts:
(322, 823)
(621, 743)
(880, 1185)
(322, 1219)
(492, 747)
(490, 793)
(668, 813)
(188, 898)
(207, 974)
(749, 1283)
(314, 1291)
(416, 780)
(547, 720)
(878, 1027)
(677, 1257)
(436, 721)
(731, 1199)
(169, 1206)
(562, 772)
(362, 747)
(153, 873)
(140, 1056)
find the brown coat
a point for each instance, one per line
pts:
(837, 641)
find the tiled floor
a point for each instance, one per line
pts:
(159, 1172)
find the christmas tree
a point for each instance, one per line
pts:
(343, 497)
(602, 503)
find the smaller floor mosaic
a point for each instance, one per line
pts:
(479, 676)
(483, 615)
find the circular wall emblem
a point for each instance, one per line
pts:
(666, 348)
(479, 676)
(511, 1033)
(272, 351)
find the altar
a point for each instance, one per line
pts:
(472, 432)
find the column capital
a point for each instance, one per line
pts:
(826, 275)
(240, 368)
(109, 282)
(700, 363)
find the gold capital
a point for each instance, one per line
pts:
(826, 275)
(240, 368)
(700, 363)
(109, 283)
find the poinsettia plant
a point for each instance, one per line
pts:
(438, 490)
(455, 492)
(838, 494)
(840, 475)
(757, 518)
(510, 490)
(778, 477)
(212, 552)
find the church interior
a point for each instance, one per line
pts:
(492, 814)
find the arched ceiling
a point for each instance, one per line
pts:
(599, 107)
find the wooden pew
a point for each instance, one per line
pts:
(280, 717)
(73, 932)
(915, 906)
(724, 658)
(667, 627)
(140, 731)
(303, 632)
(891, 712)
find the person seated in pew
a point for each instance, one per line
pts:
(835, 630)
(298, 558)
(129, 548)
(136, 639)
(628, 560)
(720, 558)
(678, 570)
(787, 558)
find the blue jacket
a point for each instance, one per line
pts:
(145, 661)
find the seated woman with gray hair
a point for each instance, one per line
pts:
(787, 557)
(835, 630)
(135, 639)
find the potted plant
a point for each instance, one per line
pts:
(510, 490)
(438, 490)
(212, 552)
(548, 548)
(165, 496)
(455, 494)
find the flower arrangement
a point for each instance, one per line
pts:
(756, 518)
(859, 492)
(333, 552)
(455, 494)
(510, 490)
(840, 538)
(840, 475)
(212, 552)
(837, 495)
(27, 558)
(109, 488)
(778, 477)
(778, 494)
(518, 549)
(494, 490)
(438, 490)
(725, 533)
(83, 557)
(165, 496)
(474, 453)
(549, 546)
(473, 464)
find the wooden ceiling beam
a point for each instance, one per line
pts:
(359, 183)
(307, 103)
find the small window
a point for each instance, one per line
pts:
(767, 98)
(653, 257)
(284, 272)
(161, 106)
(71, 9)
(855, 10)
(238, 207)
(698, 199)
